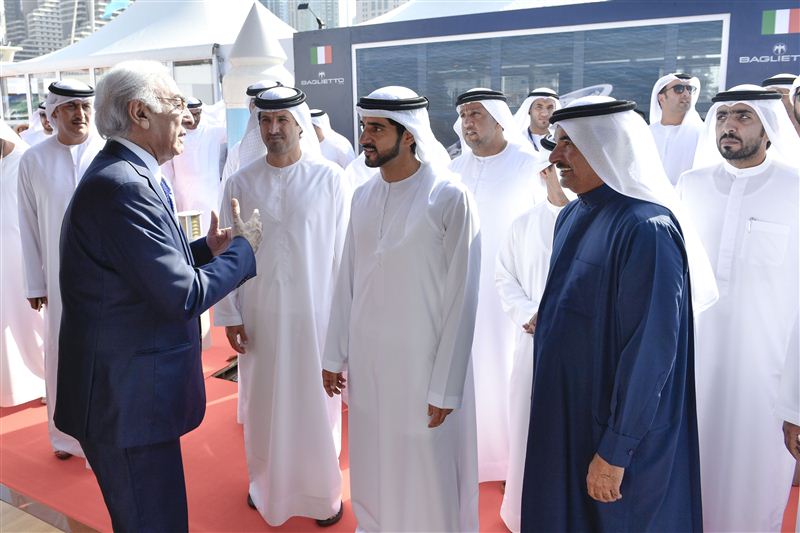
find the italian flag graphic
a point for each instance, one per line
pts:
(323, 55)
(780, 21)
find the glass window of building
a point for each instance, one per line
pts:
(39, 84)
(630, 59)
(15, 99)
(99, 72)
(79, 75)
(195, 79)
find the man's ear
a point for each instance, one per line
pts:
(139, 114)
(660, 97)
(408, 138)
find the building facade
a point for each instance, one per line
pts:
(333, 13)
(620, 46)
(44, 26)
(369, 9)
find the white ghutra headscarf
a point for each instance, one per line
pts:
(692, 116)
(618, 146)
(274, 99)
(522, 116)
(784, 142)
(406, 107)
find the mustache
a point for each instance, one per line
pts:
(729, 136)
(370, 146)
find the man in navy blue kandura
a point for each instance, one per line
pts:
(612, 444)
(130, 378)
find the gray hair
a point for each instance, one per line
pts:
(128, 81)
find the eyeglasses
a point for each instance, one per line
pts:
(178, 102)
(680, 88)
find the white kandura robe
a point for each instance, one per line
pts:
(21, 328)
(358, 173)
(536, 141)
(48, 175)
(787, 406)
(401, 324)
(195, 174)
(522, 266)
(34, 136)
(292, 429)
(676, 146)
(748, 222)
(504, 186)
(337, 148)
(231, 163)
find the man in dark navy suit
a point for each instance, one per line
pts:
(130, 376)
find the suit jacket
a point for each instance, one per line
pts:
(133, 289)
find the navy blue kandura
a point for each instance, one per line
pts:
(614, 372)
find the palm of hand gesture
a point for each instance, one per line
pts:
(250, 230)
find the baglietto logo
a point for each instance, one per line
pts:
(322, 79)
(781, 53)
(321, 55)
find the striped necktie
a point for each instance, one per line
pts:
(167, 193)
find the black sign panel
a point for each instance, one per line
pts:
(323, 70)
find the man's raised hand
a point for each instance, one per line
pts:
(250, 230)
(217, 239)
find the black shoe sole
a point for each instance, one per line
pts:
(332, 520)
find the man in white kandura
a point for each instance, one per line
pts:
(239, 158)
(48, 175)
(520, 274)
(21, 328)
(277, 321)
(533, 117)
(195, 174)
(783, 83)
(40, 128)
(674, 122)
(401, 325)
(501, 170)
(745, 207)
(335, 146)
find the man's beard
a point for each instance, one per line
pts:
(745, 152)
(385, 157)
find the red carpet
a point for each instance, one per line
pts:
(216, 476)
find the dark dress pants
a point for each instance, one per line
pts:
(143, 486)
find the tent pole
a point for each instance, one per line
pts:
(28, 95)
(74, 21)
(215, 74)
(90, 8)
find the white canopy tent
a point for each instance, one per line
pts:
(163, 30)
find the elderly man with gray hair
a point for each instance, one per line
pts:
(133, 288)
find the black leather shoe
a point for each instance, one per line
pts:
(250, 503)
(62, 455)
(332, 520)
